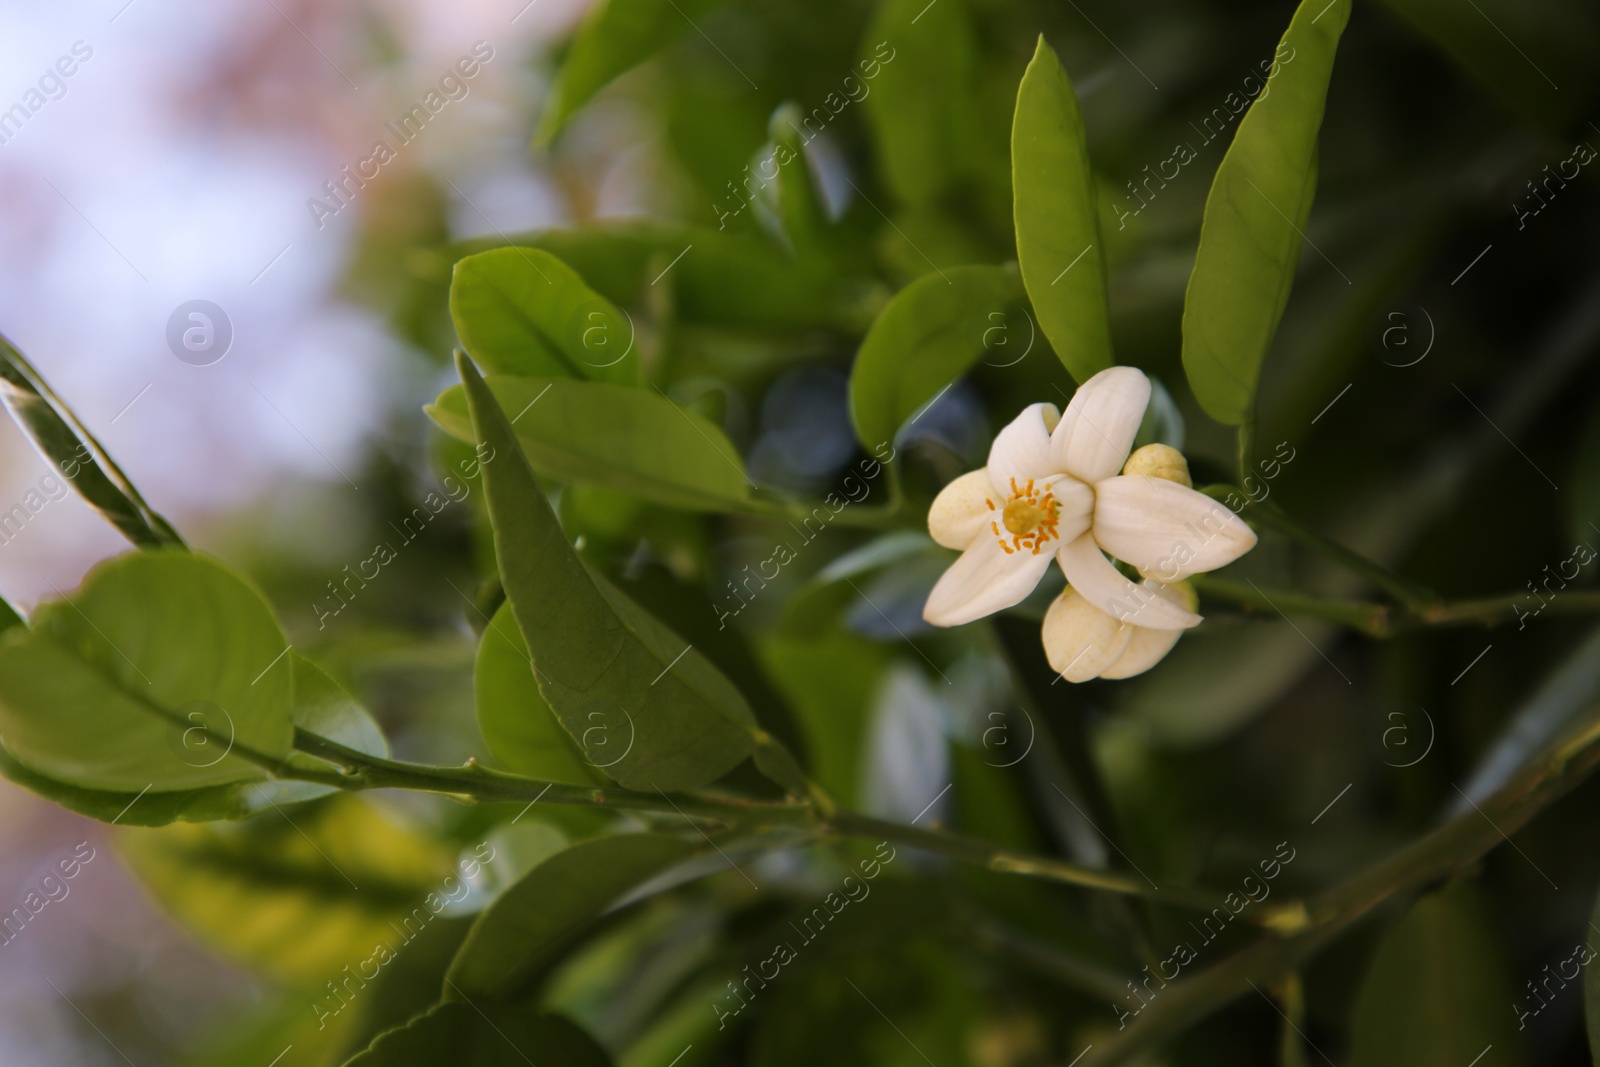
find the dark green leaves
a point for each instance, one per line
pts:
(516, 722)
(466, 1036)
(1255, 219)
(608, 670)
(1434, 995)
(634, 440)
(155, 675)
(928, 336)
(617, 35)
(523, 930)
(73, 451)
(523, 311)
(1058, 233)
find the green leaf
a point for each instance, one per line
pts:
(319, 706)
(151, 677)
(73, 451)
(518, 725)
(615, 37)
(603, 664)
(633, 440)
(921, 103)
(531, 922)
(1058, 230)
(800, 210)
(1435, 994)
(523, 311)
(926, 337)
(299, 894)
(466, 1036)
(1254, 219)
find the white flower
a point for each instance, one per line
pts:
(1052, 488)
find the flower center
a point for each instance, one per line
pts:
(1029, 516)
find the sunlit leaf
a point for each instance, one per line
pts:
(1058, 232)
(301, 892)
(1254, 220)
(615, 676)
(633, 440)
(523, 311)
(929, 335)
(534, 919)
(151, 676)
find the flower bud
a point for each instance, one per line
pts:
(1160, 461)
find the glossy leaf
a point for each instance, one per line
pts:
(929, 335)
(1254, 222)
(533, 920)
(608, 669)
(617, 36)
(523, 311)
(467, 1036)
(518, 725)
(149, 677)
(73, 451)
(633, 440)
(1435, 994)
(1058, 231)
(300, 893)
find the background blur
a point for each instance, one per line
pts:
(176, 166)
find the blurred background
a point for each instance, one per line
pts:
(175, 164)
(184, 159)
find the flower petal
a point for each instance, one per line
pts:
(1022, 449)
(1080, 640)
(1104, 587)
(986, 579)
(961, 510)
(1165, 529)
(1075, 507)
(1092, 439)
(1146, 647)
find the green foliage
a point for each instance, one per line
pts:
(516, 722)
(928, 336)
(471, 1037)
(523, 311)
(524, 930)
(1433, 994)
(632, 440)
(616, 36)
(300, 894)
(1255, 219)
(1059, 245)
(72, 450)
(602, 663)
(157, 675)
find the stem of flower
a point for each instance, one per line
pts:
(480, 783)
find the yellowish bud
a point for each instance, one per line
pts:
(1160, 461)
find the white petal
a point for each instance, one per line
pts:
(1022, 450)
(962, 509)
(986, 579)
(1075, 508)
(1093, 438)
(1146, 647)
(1166, 530)
(1103, 586)
(1080, 640)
